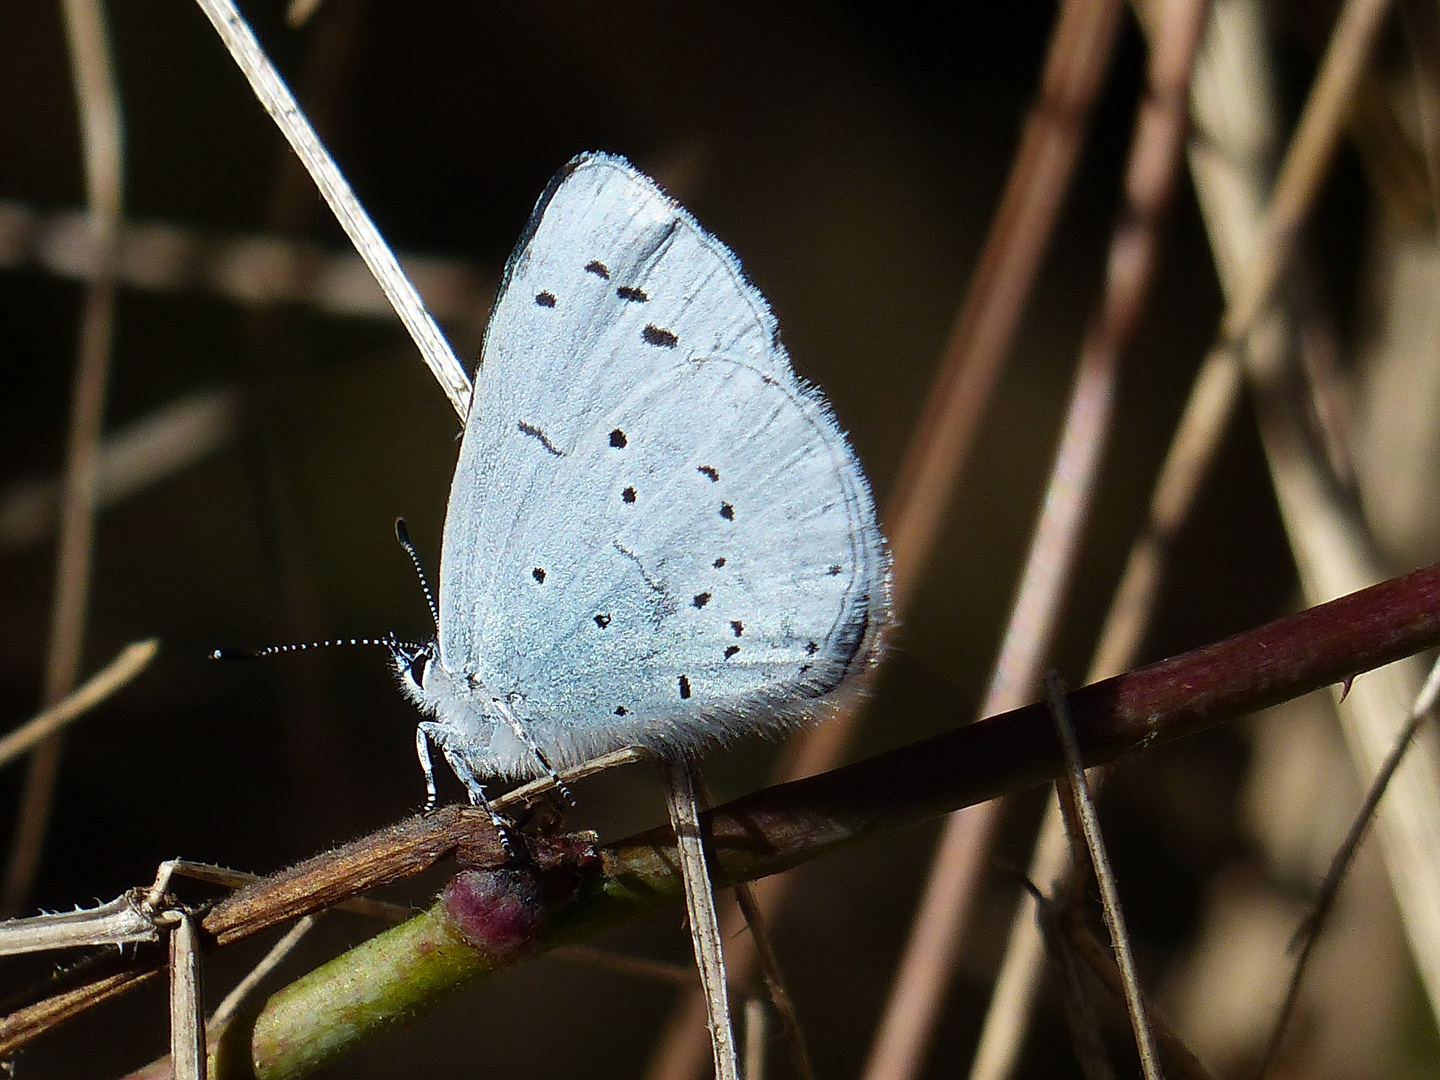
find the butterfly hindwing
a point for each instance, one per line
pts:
(707, 576)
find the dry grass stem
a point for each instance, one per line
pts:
(684, 807)
(275, 96)
(1333, 553)
(253, 270)
(1330, 542)
(1422, 20)
(231, 1003)
(1076, 1003)
(1235, 114)
(774, 979)
(756, 1035)
(126, 920)
(529, 792)
(1078, 57)
(131, 661)
(635, 966)
(1309, 932)
(98, 102)
(1040, 175)
(1007, 1017)
(170, 1067)
(926, 965)
(1306, 164)
(1152, 169)
(132, 458)
(1089, 821)
(791, 1032)
(20, 1026)
(187, 1024)
(300, 12)
(1083, 947)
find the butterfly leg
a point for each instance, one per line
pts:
(428, 731)
(422, 751)
(478, 798)
(523, 734)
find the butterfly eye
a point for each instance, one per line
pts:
(412, 659)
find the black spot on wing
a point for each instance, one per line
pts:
(599, 269)
(544, 440)
(635, 296)
(545, 299)
(654, 335)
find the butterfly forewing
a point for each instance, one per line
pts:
(656, 534)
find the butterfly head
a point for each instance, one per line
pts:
(412, 661)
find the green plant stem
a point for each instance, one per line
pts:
(376, 984)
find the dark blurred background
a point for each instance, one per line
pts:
(851, 154)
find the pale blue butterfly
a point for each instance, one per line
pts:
(657, 535)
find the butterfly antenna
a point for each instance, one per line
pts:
(402, 534)
(390, 642)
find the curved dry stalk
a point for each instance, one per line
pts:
(1153, 166)
(97, 97)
